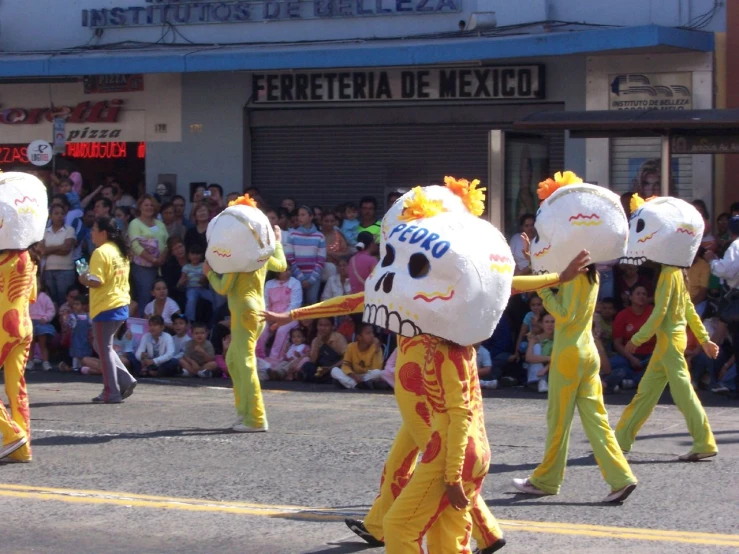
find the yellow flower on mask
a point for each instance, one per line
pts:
(420, 206)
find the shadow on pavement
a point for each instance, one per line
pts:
(68, 440)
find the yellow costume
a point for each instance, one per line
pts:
(245, 293)
(673, 309)
(574, 381)
(17, 289)
(415, 412)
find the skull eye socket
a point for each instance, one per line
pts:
(418, 266)
(640, 224)
(536, 236)
(389, 256)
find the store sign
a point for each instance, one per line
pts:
(651, 91)
(188, 12)
(40, 152)
(15, 154)
(524, 82)
(99, 84)
(718, 144)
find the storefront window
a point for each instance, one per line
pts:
(527, 164)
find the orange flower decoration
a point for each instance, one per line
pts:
(473, 197)
(561, 179)
(420, 206)
(245, 200)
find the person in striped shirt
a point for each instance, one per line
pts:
(305, 251)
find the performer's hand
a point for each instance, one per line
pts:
(456, 496)
(206, 269)
(579, 264)
(278, 233)
(711, 349)
(630, 347)
(277, 318)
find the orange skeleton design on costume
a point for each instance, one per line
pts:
(19, 272)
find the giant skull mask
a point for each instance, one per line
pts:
(574, 217)
(447, 274)
(240, 238)
(665, 230)
(23, 210)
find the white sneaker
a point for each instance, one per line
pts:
(543, 386)
(205, 374)
(627, 384)
(525, 487)
(186, 373)
(46, 366)
(492, 385)
(241, 428)
(620, 495)
(8, 449)
(30, 365)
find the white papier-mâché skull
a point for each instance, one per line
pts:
(240, 240)
(665, 230)
(576, 217)
(447, 275)
(23, 210)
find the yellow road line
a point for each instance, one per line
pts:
(76, 496)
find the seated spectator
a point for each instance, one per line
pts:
(65, 310)
(181, 336)
(326, 350)
(221, 358)
(339, 284)
(362, 362)
(286, 365)
(42, 312)
(363, 262)
(627, 277)
(603, 323)
(704, 370)
(200, 356)
(388, 374)
(539, 353)
(628, 369)
(156, 350)
(81, 327)
(281, 294)
(172, 269)
(726, 378)
(506, 367)
(162, 304)
(123, 347)
(699, 274)
(531, 324)
(484, 362)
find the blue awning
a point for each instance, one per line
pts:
(354, 53)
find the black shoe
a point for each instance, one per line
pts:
(497, 545)
(360, 530)
(508, 381)
(129, 391)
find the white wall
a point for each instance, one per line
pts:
(61, 21)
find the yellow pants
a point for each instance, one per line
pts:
(19, 425)
(241, 360)
(574, 381)
(422, 507)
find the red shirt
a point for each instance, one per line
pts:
(627, 324)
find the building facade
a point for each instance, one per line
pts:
(329, 100)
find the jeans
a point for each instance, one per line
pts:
(730, 379)
(57, 282)
(701, 364)
(621, 369)
(143, 281)
(310, 294)
(193, 295)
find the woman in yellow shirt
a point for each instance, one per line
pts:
(107, 279)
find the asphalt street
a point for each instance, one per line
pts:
(163, 473)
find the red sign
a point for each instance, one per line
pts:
(76, 150)
(97, 84)
(106, 111)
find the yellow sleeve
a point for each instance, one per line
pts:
(457, 401)
(341, 305)
(222, 284)
(277, 262)
(665, 286)
(347, 366)
(694, 321)
(562, 306)
(530, 283)
(97, 266)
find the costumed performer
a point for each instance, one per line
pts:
(242, 247)
(410, 393)
(667, 231)
(23, 216)
(575, 215)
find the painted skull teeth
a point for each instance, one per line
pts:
(633, 260)
(382, 317)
